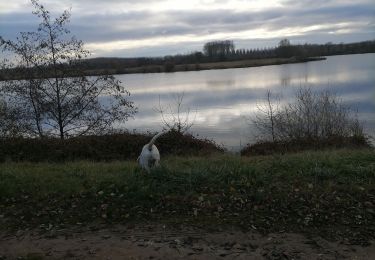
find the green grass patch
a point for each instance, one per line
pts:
(330, 192)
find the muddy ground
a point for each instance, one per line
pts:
(167, 242)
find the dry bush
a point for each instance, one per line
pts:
(176, 117)
(110, 147)
(313, 115)
(314, 120)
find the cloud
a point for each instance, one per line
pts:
(125, 27)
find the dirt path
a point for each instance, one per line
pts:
(163, 242)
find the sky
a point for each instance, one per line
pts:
(133, 28)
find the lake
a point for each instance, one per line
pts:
(222, 101)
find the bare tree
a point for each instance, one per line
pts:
(176, 116)
(24, 93)
(265, 119)
(62, 100)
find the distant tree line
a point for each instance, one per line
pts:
(217, 51)
(214, 51)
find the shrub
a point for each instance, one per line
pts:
(311, 116)
(271, 147)
(314, 120)
(124, 146)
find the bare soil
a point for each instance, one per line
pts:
(170, 242)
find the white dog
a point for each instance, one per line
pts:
(150, 156)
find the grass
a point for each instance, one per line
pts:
(329, 192)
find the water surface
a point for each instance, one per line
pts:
(222, 101)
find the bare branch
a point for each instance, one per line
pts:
(175, 117)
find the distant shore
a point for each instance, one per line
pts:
(204, 66)
(180, 67)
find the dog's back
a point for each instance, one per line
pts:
(150, 155)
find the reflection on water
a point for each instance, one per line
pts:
(224, 99)
(216, 84)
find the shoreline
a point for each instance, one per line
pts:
(4, 76)
(204, 66)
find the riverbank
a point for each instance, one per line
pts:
(328, 193)
(204, 66)
(9, 75)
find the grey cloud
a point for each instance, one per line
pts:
(133, 2)
(88, 4)
(106, 27)
(146, 24)
(12, 24)
(315, 3)
(202, 22)
(178, 23)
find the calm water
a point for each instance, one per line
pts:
(222, 100)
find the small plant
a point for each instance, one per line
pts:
(265, 119)
(176, 117)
